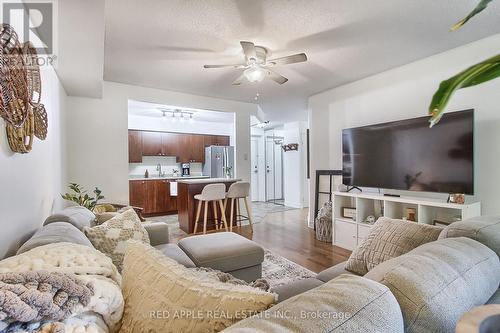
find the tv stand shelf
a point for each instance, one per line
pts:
(348, 233)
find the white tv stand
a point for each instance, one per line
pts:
(348, 233)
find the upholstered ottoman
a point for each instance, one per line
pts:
(227, 252)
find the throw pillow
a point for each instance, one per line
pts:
(389, 238)
(111, 237)
(164, 296)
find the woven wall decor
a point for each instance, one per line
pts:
(41, 121)
(32, 73)
(21, 138)
(20, 92)
(8, 38)
(13, 80)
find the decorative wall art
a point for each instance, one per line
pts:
(290, 147)
(20, 92)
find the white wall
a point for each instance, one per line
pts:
(98, 141)
(406, 92)
(32, 183)
(294, 164)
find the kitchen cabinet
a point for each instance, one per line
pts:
(151, 143)
(191, 148)
(186, 147)
(222, 140)
(153, 196)
(170, 144)
(197, 148)
(209, 140)
(137, 193)
(134, 146)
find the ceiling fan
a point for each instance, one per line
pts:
(257, 67)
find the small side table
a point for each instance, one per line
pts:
(471, 321)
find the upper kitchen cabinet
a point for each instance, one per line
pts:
(209, 140)
(222, 140)
(184, 148)
(134, 146)
(197, 148)
(170, 144)
(152, 144)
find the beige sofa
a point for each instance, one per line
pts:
(425, 290)
(431, 286)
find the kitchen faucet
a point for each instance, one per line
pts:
(158, 168)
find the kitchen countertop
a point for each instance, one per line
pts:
(207, 181)
(166, 177)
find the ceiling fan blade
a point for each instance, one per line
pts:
(224, 66)
(292, 59)
(249, 50)
(239, 80)
(278, 78)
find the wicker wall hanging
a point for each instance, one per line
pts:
(21, 138)
(40, 121)
(13, 82)
(32, 73)
(20, 92)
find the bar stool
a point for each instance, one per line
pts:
(215, 193)
(237, 191)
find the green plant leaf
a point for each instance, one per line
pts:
(484, 71)
(479, 8)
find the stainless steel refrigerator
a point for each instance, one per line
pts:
(219, 162)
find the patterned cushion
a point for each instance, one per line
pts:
(111, 237)
(164, 296)
(389, 238)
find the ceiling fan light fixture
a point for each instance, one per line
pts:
(255, 74)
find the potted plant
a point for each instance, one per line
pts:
(81, 197)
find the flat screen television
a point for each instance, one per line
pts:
(408, 155)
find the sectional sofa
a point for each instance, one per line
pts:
(425, 290)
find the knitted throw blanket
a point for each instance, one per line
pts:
(104, 310)
(38, 296)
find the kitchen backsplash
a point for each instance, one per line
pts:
(167, 163)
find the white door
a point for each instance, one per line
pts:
(269, 169)
(254, 161)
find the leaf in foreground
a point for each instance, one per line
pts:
(474, 75)
(479, 8)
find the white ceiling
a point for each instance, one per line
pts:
(165, 43)
(146, 109)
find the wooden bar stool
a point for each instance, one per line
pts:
(237, 191)
(211, 193)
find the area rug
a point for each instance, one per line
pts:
(278, 270)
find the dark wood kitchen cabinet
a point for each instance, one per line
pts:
(186, 147)
(170, 144)
(209, 140)
(134, 146)
(197, 148)
(153, 196)
(151, 144)
(222, 140)
(137, 193)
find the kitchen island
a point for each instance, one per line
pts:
(186, 203)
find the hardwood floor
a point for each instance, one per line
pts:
(286, 233)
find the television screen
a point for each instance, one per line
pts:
(408, 155)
